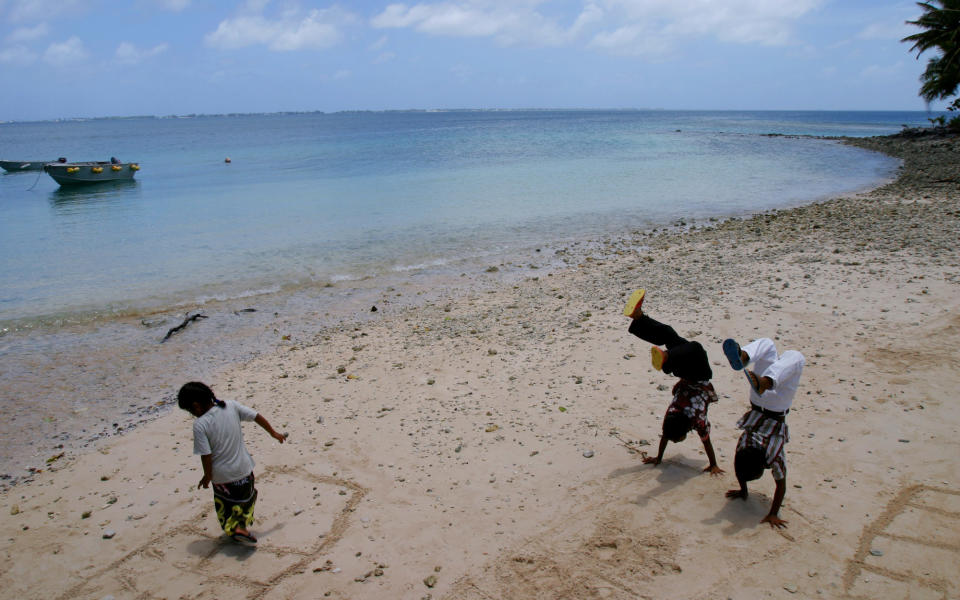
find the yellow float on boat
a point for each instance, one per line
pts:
(72, 170)
(134, 167)
(97, 169)
(115, 168)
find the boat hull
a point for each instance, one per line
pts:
(14, 166)
(90, 172)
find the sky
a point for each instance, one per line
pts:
(92, 58)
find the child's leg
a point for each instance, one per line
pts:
(688, 361)
(786, 371)
(762, 353)
(655, 332)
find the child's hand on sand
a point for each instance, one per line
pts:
(775, 521)
(651, 460)
(714, 470)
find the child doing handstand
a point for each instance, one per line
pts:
(773, 384)
(692, 394)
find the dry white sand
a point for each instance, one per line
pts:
(439, 452)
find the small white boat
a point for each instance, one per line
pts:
(78, 173)
(14, 166)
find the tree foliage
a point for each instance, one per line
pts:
(940, 22)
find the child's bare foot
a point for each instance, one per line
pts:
(775, 521)
(714, 470)
(742, 494)
(651, 460)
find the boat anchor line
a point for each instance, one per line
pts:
(37, 180)
(254, 589)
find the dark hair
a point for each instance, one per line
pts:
(194, 391)
(749, 463)
(676, 426)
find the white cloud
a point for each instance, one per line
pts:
(129, 54)
(895, 31)
(65, 53)
(656, 25)
(632, 39)
(27, 34)
(618, 26)
(17, 55)
(291, 31)
(882, 73)
(41, 10)
(509, 23)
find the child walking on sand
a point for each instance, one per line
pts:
(218, 439)
(773, 384)
(692, 394)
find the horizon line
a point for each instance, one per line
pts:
(448, 110)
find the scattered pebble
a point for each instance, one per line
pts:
(108, 534)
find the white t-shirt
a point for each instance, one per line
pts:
(218, 432)
(784, 369)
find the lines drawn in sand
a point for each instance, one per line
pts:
(218, 568)
(909, 551)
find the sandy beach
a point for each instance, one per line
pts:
(469, 446)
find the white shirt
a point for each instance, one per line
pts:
(784, 370)
(218, 432)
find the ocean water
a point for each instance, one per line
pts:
(310, 199)
(318, 216)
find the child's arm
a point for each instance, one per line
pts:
(772, 518)
(262, 422)
(649, 460)
(712, 468)
(206, 460)
(741, 493)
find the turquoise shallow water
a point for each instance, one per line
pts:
(310, 199)
(327, 213)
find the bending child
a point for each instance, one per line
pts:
(692, 394)
(773, 384)
(218, 439)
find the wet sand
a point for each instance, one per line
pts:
(465, 441)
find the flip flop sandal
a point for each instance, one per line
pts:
(244, 538)
(657, 357)
(731, 350)
(634, 302)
